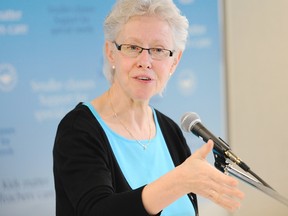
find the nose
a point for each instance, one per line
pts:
(144, 59)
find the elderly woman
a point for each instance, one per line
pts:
(116, 155)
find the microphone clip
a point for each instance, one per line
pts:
(220, 160)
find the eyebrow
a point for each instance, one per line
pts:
(135, 41)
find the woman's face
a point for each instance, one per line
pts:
(142, 76)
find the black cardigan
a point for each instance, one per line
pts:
(88, 179)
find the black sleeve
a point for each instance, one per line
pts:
(85, 171)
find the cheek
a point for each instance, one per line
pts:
(122, 67)
(163, 76)
(164, 72)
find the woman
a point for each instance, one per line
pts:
(116, 155)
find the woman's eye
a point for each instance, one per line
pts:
(133, 47)
(158, 50)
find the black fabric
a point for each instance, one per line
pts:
(88, 180)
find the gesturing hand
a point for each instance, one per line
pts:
(205, 180)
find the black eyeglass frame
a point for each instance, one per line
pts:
(119, 46)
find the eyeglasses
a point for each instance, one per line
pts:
(134, 51)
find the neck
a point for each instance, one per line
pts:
(137, 121)
(136, 112)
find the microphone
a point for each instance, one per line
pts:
(190, 122)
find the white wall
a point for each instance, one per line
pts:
(257, 83)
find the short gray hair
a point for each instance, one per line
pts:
(123, 10)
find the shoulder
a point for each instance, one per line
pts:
(79, 131)
(80, 117)
(166, 123)
(77, 114)
(164, 118)
(174, 137)
(79, 121)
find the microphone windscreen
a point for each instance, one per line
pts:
(188, 120)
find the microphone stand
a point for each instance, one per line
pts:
(225, 167)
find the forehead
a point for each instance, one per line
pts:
(146, 29)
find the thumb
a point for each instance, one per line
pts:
(203, 152)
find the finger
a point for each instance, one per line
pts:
(221, 184)
(203, 152)
(226, 185)
(228, 180)
(218, 176)
(227, 202)
(233, 192)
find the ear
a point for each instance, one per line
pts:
(109, 51)
(176, 60)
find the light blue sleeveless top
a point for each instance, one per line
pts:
(140, 167)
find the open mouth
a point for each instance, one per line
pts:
(144, 78)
